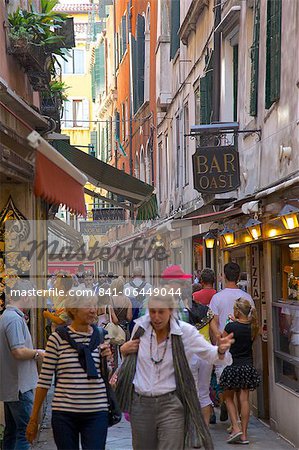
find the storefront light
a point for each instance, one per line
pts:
(228, 236)
(209, 239)
(289, 218)
(254, 228)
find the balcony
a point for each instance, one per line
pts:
(34, 60)
(51, 106)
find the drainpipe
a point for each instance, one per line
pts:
(217, 64)
(131, 103)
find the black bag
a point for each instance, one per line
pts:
(114, 412)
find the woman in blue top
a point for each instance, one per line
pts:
(241, 376)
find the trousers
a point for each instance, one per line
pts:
(69, 427)
(157, 422)
(17, 416)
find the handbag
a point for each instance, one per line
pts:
(114, 412)
(116, 334)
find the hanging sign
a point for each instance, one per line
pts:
(216, 169)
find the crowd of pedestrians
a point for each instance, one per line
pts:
(167, 346)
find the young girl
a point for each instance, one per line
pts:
(241, 376)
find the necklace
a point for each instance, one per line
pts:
(159, 360)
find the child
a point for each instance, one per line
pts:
(241, 376)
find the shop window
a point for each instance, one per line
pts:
(286, 314)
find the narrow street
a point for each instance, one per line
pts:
(119, 436)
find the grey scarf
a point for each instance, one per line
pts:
(196, 431)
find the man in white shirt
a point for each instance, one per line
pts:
(222, 303)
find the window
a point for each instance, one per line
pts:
(166, 165)
(75, 113)
(142, 164)
(93, 146)
(75, 63)
(137, 174)
(197, 106)
(273, 52)
(122, 37)
(286, 314)
(178, 150)
(186, 144)
(174, 27)
(235, 81)
(254, 54)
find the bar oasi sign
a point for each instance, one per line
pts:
(216, 169)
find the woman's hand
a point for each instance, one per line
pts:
(130, 347)
(31, 430)
(224, 344)
(105, 350)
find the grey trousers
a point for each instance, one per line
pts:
(157, 422)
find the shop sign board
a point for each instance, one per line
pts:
(216, 169)
(255, 272)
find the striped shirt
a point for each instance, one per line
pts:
(73, 391)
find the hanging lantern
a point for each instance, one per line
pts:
(289, 218)
(254, 228)
(209, 239)
(228, 236)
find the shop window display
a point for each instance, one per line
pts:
(286, 314)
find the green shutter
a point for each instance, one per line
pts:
(98, 72)
(124, 33)
(254, 55)
(117, 125)
(174, 27)
(273, 52)
(206, 91)
(140, 59)
(94, 143)
(235, 81)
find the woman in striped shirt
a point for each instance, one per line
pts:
(79, 407)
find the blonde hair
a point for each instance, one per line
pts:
(167, 301)
(244, 307)
(118, 285)
(79, 301)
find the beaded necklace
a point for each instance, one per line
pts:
(157, 361)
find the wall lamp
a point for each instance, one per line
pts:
(228, 236)
(210, 239)
(289, 218)
(254, 228)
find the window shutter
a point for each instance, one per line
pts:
(135, 74)
(273, 52)
(94, 142)
(235, 81)
(140, 59)
(120, 43)
(85, 113)
(255, 60)
(124, 33)
(117, 125)
(79, 63)
(67, 116)
(116, 55)
(206, 91)
(174, 27)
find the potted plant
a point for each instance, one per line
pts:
(53, 98)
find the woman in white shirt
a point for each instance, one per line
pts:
(163, 394)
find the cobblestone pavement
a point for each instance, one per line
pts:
(119, 437)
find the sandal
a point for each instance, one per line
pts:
(243, 442)
(234, 437)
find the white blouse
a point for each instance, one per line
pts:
(158, 379)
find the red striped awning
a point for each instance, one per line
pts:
(56, 186)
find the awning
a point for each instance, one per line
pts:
(214, 216)
(103, 175)
(63, 231)
(56, 180)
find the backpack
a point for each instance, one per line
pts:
(139, 298)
